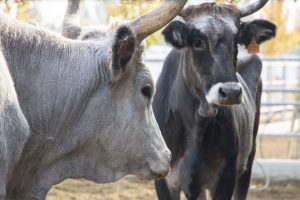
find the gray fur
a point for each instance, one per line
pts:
(14, 128)
(84, 122)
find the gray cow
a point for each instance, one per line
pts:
(14, 128)
(208, 100)
(87, 103)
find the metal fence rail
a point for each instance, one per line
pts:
(281, 103)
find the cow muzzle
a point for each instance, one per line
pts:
(156, 168)
(225, 94)
(162, 166)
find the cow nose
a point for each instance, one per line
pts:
(230, 92)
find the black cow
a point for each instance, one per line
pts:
(207, 101)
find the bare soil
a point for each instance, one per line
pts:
(132, 189)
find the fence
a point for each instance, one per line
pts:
(278, 142)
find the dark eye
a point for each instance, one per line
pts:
(147, 91)
(199, 44)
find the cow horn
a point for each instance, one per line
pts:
(71, 27)
(252, 7)
(153, 20)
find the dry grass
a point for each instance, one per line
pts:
(277, 147)
(132, 189)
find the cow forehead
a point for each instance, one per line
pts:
(211, 24)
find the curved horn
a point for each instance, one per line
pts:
(252, 7)
(71, 26)
(155, 19)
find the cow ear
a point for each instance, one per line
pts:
(261, 30)
(123, 49)
(177, 34)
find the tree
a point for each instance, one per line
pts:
(22, 8)
(287, 38)
(130, 9)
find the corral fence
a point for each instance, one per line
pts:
(278, 142)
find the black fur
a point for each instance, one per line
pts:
(123, 49)
(261, 30)
(200, 142)
(209, 151)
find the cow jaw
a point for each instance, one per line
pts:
(206, 109)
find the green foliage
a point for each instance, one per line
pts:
(275, 11)
(286, 39)
(22, 8)
(130, 9)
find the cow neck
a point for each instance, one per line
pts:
(32, 64)
(48, 72)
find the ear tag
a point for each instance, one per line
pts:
(253, 47)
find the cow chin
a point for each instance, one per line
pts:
(229, 102)
(155, 168)
(208, 110)
(151, 174)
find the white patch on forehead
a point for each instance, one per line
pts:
(231, 24)
(201, 23)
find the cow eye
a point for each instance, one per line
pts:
(199, 44)
(147, 91)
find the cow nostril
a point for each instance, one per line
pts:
(222, 92)
(239, 91)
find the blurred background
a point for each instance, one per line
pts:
(276, 172)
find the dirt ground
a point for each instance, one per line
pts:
(132, 189)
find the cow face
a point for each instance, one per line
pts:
(209, 37)
(125, 136)
(134, 130)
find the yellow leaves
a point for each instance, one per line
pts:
(280, 13)
(131, 9)
(288, 36)
(22, 8)
(227, 1)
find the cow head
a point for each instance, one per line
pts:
(209, 37)
(133, 143)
